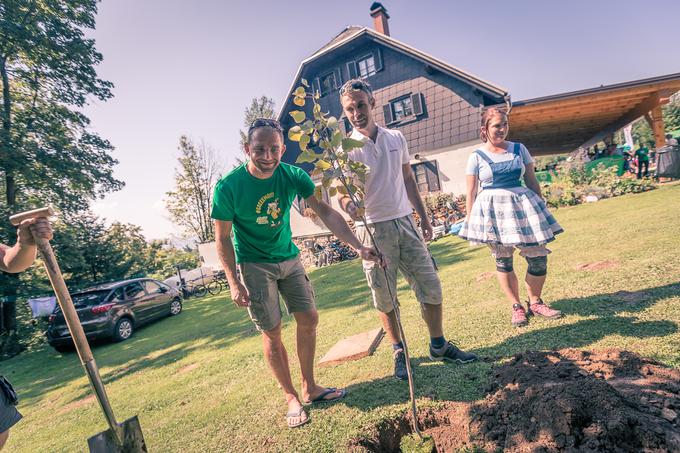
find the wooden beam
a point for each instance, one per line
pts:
(658, 127)
(594, 106)
(650, 103)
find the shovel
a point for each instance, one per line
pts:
(119, 438)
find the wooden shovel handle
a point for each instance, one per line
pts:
(64, 299)
(40, 212)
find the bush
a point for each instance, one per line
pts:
(572, 184)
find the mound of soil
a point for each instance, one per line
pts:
(568, 400)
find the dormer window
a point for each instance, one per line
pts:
(366, 66)
(328, 83)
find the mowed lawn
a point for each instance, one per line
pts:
(198, 381)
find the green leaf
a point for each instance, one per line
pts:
(332, 191)
(317, 193)
(300, 92)
(295, 133)
(326, 182)
(342, 190)
(307, 126)
(332, 123)
(306, 156)
(304, 82)
(349, 144)
(300, 102)
(323, 165)
(298, 115)
(304, 141)
(337, 139)
(317, 109)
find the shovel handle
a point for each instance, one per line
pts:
(40, 212)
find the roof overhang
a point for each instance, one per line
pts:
(563, 122)
(484, 86)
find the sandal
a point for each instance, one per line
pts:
(296, 414)
(322, 397)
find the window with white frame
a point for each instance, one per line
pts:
(366, 66)
(328, 83)
(401, 108)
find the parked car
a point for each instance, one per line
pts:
(115, 310)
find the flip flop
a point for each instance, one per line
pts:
(322, 397)
(296, 414)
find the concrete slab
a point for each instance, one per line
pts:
(353, 348)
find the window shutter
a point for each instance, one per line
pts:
(338, 78)
(377, 57)
(432, 172)
(387, 111)
(417, 102)
(316, 85)
(352, 69)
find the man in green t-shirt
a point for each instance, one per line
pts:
(642, 155)
(254, 201)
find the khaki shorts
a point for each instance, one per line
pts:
(401, 243)
(264, 281)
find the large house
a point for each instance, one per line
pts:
(437, 106)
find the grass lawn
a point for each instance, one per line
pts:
(199, 383)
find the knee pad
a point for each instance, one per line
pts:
(504, 264)
(538, 266)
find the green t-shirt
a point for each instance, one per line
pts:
(642, 154)
(260, 211)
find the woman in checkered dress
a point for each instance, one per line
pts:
(506, 216)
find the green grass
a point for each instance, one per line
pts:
(199, 383)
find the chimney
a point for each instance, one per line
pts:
(380, 16)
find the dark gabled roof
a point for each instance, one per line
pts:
(354, 32)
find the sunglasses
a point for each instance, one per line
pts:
(265, 122)
(356, 86)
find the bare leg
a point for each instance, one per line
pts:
(534, 285)
(509, 285)
(432, 314)
(389, 322)
(306, 347)
(3, 438)
(277, 358)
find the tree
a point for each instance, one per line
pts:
(262, 107)
(671, 119)
(47, 74)
(190, 203)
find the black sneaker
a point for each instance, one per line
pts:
(400, 370)
(450, 353)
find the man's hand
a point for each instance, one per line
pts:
(29, 229)
(370, 254)
(239, 295)
(426, 228)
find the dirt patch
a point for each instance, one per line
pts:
(186, 369)
(597, 265)
(77, 404)
(484, 276)
(568, 400)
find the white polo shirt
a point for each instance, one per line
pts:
(386, 197)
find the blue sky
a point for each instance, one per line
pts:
(191, 68)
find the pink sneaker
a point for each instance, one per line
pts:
(519, 316)
(541, 309)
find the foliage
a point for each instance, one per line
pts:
(262, 107)
(322, 143)
(48, 152)
(544, 163)
(190, 203)
(671, 118)
(572, 184)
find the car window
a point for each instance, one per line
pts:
(152, 287)
(133, 290)
(117, 296)
(89, 298)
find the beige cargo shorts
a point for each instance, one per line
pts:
(401, 242)
(264, 282)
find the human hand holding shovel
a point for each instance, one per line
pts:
(126, 437)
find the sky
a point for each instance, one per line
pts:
(192, 67)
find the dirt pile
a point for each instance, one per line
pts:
(568, 400)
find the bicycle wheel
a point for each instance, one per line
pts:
(200, 291)
(214, 287)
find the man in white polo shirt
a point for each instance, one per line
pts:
(391, 195)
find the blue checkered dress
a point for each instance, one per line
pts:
(505, 213)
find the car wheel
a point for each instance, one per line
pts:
(175, 307)
(123, 329)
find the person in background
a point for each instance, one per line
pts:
(670, 141)
(12, 260)
(642, 156)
